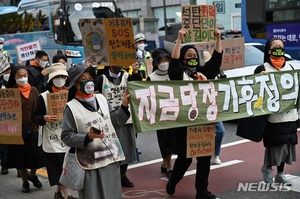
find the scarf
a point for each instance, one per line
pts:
(56, 90)
(80, 94)
(34, 63)
(277, 62)
(25, 90)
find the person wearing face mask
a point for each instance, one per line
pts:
(185, 66)
(142, 55)
(29, 155)
(84, 111)
(278, 131)
(54, 150)
(160, 63)
(38, 71)
(112, 84)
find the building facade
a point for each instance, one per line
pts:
(150, 15)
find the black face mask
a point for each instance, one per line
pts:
(277, 52)
(116, 69)
(192, 62)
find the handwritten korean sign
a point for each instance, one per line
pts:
(233, 52)
(10, 117)
(199, 21)
(108, 41)
(169, 104)
(200, 141)
(56, 103)
(27, 51)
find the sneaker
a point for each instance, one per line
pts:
(205, 195)
(267, 174)
(170, 188)
(25, 187)
(71, 197)
(215, 160)
(168, 174)
(58, 195)
(280, 178)
(126, 182)
(35, 181)
(4, 171)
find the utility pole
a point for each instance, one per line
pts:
(165, 20)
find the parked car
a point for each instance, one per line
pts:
(254, 56)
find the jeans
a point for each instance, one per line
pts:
(220, 130)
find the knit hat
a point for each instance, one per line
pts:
(206, 56)
(139, 37)
(158, 54)
(4, 64)
(57, 69)
(76, 70)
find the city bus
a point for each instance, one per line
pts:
(263, 19)
(55, 23)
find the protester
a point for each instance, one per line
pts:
(29, 155)
(112, 84)
(38, 71)
(215, 61)
(142, 54)
(160, 63)
(278, 130)
(60, 58)
(54, 149)
(87, 110)
(184, 66)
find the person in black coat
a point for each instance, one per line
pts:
(184, 65)
(279, 130)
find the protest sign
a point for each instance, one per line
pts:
(233, 52)
(169, 104)
(10, 117)
(199, 21)
(108, 41)
(200, 141)
(27, 51)
(56, 103)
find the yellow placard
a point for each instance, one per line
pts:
(10, 117)
(200, 22)
(200, 141)
(108, 41)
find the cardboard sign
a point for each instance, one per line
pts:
(10, 117)
(56, 103)
(108, 41)
(27, 51)
(233, 52)
(200, 141)
(200, 22)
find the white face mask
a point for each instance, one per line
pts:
(43, 63)
(1, 46)
(22, 81)
(6, 77)
(141, 47)
(163, 66)
(59, 82)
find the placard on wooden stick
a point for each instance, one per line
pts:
(200, 22)
(200, 141)
(108, 41)
(56, 103)
(11, 117)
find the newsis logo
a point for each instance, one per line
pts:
(258, 186)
